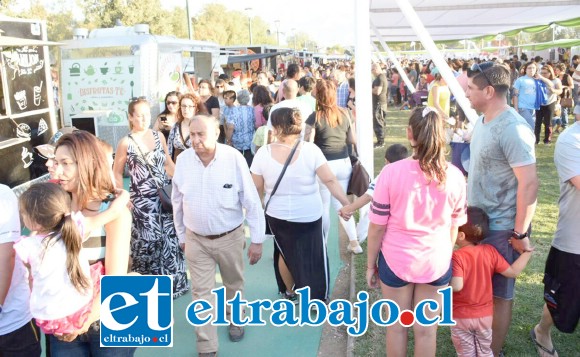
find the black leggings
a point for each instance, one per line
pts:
(544, 115)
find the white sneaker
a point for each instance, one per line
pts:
(354, 247)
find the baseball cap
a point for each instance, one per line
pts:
(46, 151)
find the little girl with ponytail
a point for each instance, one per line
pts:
(63, 285)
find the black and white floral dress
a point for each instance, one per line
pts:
(154, 245)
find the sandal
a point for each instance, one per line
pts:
(539, 348)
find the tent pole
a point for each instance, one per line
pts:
(393, 58)
(364, 113)
(438, 59)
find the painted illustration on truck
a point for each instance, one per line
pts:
(98, 84)
(27, 113)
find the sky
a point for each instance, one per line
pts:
(328, 22)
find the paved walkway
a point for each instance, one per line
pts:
(258, 341)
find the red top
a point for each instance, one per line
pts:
(476, 265)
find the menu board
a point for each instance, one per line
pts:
(25, 69)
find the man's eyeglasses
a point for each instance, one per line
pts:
(171, 103)
(187, 106)
(476, 67)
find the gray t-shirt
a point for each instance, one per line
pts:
(497, 147)
(567, 160)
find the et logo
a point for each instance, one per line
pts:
(137, 311)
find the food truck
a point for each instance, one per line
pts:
(258, 57)
(102, 71)
(27, 110)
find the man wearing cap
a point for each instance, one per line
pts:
(212, 186)
(502, 180)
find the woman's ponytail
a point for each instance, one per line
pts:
(429, 134)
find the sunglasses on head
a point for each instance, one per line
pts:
(476, 67)
(137, 99)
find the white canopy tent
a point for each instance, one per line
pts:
(437, 20)
(466, 19)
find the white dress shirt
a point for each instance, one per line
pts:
(209, 200)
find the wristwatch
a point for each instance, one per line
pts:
(517, 235)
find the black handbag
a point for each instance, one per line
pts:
(164, 192)
(360, 180)
(268, 230)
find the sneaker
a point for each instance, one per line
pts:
(379, 145)
(291, 296)
(236, 333)
(354, 247)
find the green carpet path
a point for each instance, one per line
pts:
(268, 340)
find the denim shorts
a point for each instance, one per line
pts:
(391, 280)
(503, 287)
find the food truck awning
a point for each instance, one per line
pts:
(8, 41)
(249, 58)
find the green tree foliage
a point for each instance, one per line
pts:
(300, 41)
(228, 27)
(335, 50)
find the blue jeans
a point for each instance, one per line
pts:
(87, 345)
(564, 117)
(528, 114)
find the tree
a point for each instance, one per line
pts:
(300, 41)
(227, 27)
(335, 50)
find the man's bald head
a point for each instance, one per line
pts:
(290, 89)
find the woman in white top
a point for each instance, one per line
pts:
(294, 213)
(546, 112)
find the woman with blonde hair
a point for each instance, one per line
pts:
(330, 128)
(439, 96)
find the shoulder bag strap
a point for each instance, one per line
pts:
(144, 160)
(282, 173)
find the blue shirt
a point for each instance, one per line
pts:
(242, 118)
(526, 87)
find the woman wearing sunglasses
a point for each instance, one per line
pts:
(167, 118)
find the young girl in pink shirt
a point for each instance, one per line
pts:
(418, 206)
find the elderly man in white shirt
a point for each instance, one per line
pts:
(211, 186)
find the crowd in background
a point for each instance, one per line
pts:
(274, 150)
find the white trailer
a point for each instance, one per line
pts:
(102, 72)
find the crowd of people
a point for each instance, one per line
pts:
(274, 154)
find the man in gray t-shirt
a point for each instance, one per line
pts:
(502, 180)
(561, 283)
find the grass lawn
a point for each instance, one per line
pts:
(529, 288)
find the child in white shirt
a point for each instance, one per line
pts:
(63, 285)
